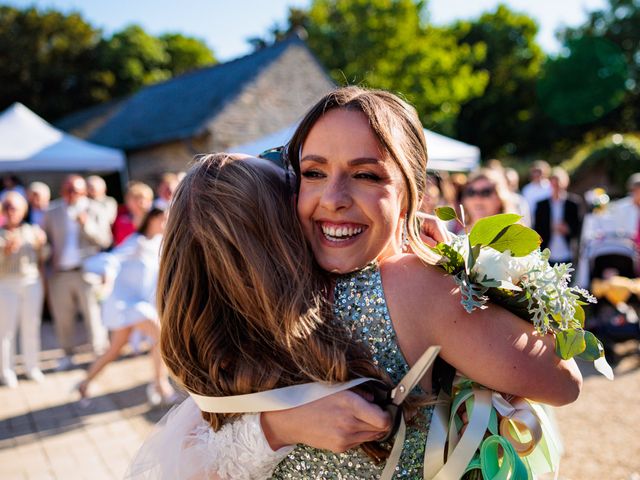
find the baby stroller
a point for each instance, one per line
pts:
(613, 263)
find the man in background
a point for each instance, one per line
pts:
(97, 191)
(558, 219)
(77, 228)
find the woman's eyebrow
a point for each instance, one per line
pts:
(313, 158)
(364, 161)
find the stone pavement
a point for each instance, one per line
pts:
(46, 434)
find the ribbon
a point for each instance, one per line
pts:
(525, 434)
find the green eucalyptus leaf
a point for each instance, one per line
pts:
(518, 239)
(486, 229)
(474, 252)
(570, 343)
(593, 350)
(453, 261)
(579, 315)
(446, 213)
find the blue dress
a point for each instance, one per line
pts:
(362, 308)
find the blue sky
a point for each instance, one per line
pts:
(225, 25)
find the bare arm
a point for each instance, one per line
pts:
(491, 346)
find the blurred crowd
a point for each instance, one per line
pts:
(89, 257)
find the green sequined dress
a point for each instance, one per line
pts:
(360, 304)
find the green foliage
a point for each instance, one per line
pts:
(585, 83)
(487, 229)
(57, 63)
(570, 343)
(186, 53)
(618, 24)
(593, 348)
(386, 44)
(619, 153)
(46, 60)
(454, 262)
(446, 213)
(518, 239)
(504, 120)
(135, 58)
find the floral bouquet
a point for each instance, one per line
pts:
(500, 260)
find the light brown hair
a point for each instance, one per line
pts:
(399, 131)
(241, 303)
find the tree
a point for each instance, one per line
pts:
(57, 63)
(134, 58)
(617, 24)
(387, 44)
(46, 61)
(186, 53)
(505, 119)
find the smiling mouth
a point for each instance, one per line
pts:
(340, 232)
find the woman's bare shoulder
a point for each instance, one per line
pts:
(413, 289)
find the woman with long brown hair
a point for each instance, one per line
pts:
(360, 162)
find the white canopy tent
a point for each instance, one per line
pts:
(445, 154)
(29, 144)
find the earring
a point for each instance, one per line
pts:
(405, 235)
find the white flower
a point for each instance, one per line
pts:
(502, 267)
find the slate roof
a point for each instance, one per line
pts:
(178, 108)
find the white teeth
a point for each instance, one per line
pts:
(340, 233)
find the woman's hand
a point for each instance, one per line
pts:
(433, 230)
(337, 423)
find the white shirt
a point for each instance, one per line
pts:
(558, 244)
(536, 192)
(70, 257)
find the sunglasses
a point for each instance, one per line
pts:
(275, 155)
(278, 155)
(9, 206)
(482, 193)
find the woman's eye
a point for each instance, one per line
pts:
(312, 174)
(368, 176)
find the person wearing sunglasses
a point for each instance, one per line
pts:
(485, 193)
(22, 247)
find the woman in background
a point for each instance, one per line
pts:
(132, 271)
(21, 292)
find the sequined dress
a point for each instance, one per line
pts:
(360, 304)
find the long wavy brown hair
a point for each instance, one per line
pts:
(242, 306)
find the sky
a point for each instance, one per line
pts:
(226, 25)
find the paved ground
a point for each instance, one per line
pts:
(45, 434)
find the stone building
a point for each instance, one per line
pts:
(163, 126)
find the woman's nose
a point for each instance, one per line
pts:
(337, 194)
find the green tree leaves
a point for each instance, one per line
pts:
(56, 63)
(387, 44)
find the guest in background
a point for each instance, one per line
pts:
(97, 191)
(138, 200)
(432, 197)
(11, 183)
(520, 203)
(38, 195)
(21, 249)
(558, 219)
(485, 194)
(164, 192)
(77, 228)
(538, 187)
(132, 269)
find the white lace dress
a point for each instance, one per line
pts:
(182, 446)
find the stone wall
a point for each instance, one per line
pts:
(279, 96)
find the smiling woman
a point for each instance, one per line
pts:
(350, 192)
